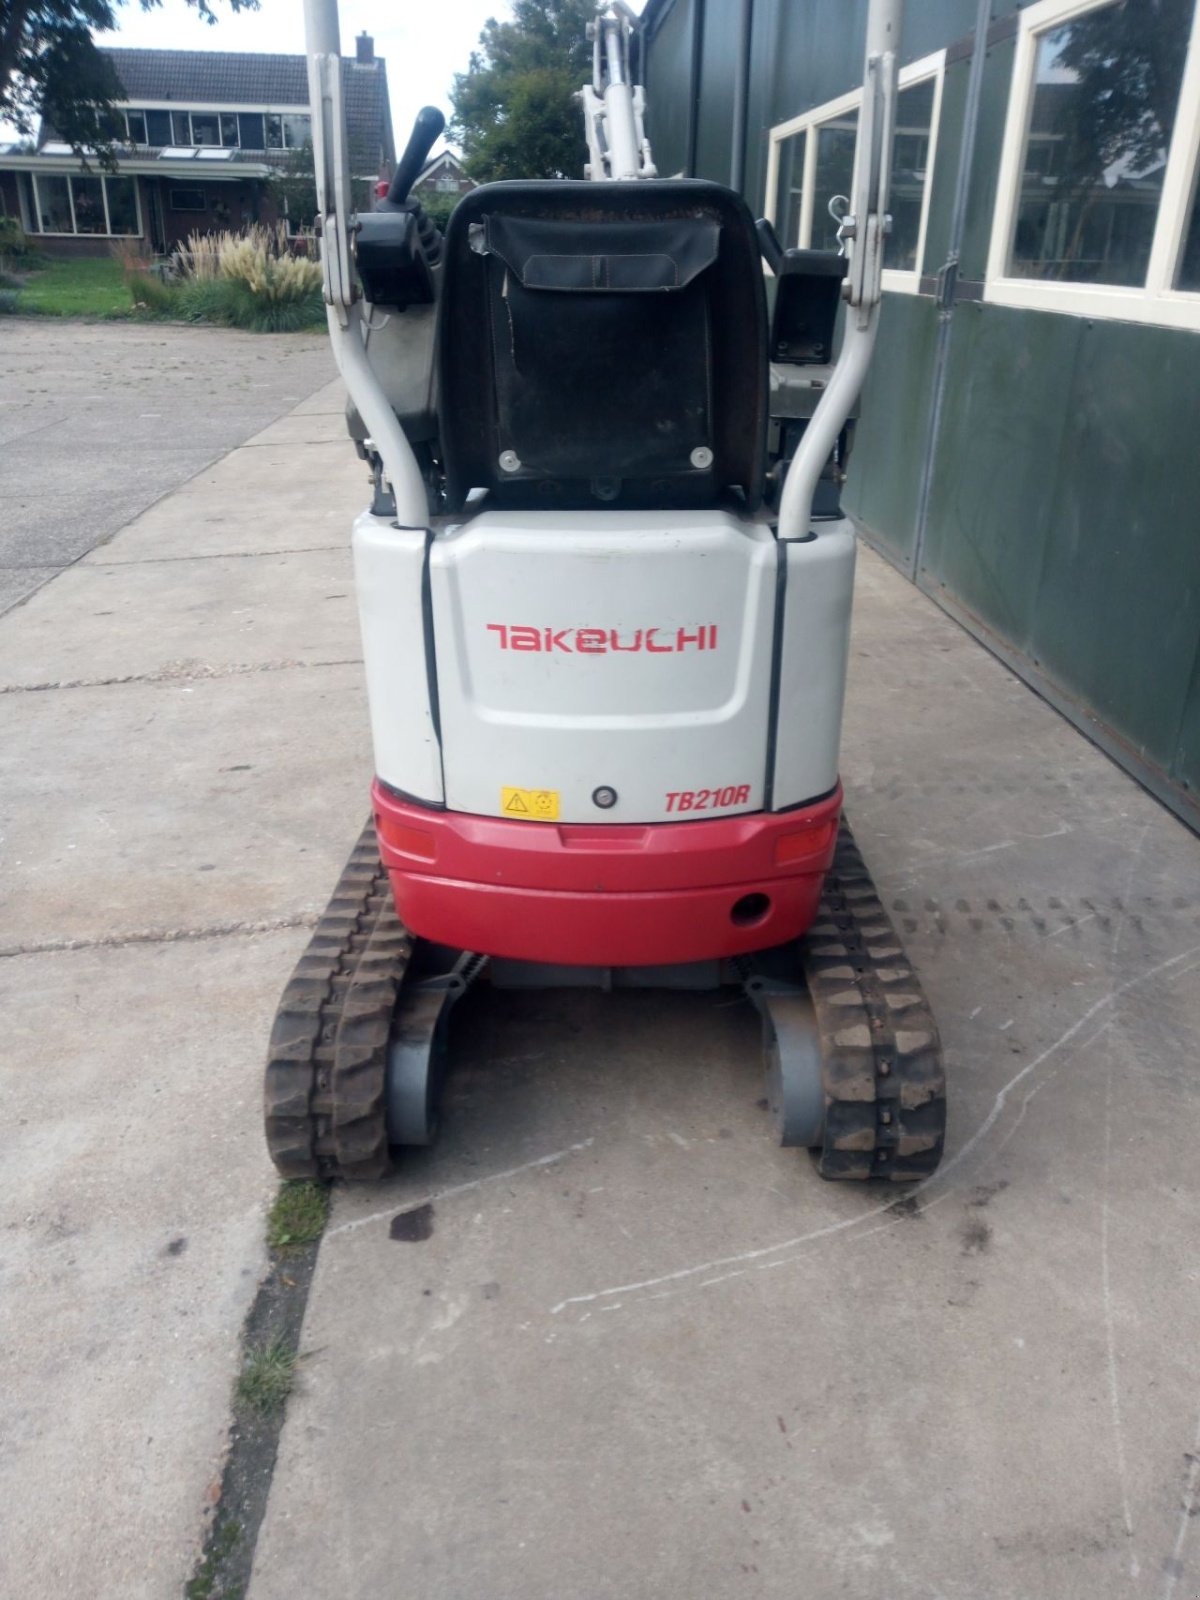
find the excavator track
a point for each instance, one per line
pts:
(881, 1059)
(325, 1110)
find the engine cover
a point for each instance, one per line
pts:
(604, 666)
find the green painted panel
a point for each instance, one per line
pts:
(889, 447)
(668, 87)
(1118, 605)
(1008, 389)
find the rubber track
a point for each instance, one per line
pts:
(324, 1088)
(885, 1086)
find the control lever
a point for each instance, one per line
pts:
(427, 129)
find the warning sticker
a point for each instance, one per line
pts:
(530, 805)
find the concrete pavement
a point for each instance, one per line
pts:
(641, 1352)
(181, 760)
(99, 420)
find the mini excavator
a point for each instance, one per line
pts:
(604, 585)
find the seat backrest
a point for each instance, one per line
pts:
(602, 343)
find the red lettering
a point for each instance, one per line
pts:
(656, 649)
(671, 799)
(712, 633)
(498, 627)
(557, 641)
(727, 796)
(614, 640)
(592, 641)
(742, 795)
(687, 799)
(526, 639)
(683, 638)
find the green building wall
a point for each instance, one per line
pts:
(1055, 507)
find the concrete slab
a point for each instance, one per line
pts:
(642, 1352)
(328, 400)
(132, 1188)
(99, 420)
(184, 618)
(160, 821)
(267, 499)
(179, 804)
(300, 427)
(18, 582)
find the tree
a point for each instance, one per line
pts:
(515, 113)
(51, 66)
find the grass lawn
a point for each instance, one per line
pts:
(79, 288)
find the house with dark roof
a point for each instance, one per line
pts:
(443, 175)
(205, 131)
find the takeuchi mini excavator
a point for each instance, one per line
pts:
(604, 586)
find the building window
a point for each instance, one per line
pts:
(916, 110)
(186, 200)
(52, 205)
(135, 127)
(181, 127)
(1095, 207)
(206, 127)
(158, 127)
(812, 159)
(229, 129)
(122, 205)
(297, 131)
(1188, 275)
(88, 195)
(274, 126)
(250, 130)
(77, 204)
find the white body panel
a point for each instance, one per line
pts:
(389, 566)
(651, 722)
(604, 648)
(815, 648)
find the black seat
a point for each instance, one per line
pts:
(603, 343)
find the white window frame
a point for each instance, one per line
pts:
(73, 233)
(1154, 302)
(928, 67)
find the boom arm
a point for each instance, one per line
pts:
(613, 105)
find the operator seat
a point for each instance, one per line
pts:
(603, 344)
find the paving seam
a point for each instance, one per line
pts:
(175, 488)
(193, 674)
(141, 936)
(211, 555)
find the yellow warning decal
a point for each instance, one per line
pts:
(530, 805)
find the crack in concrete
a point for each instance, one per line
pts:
(177, 672)
(120, 941)
(220, 555)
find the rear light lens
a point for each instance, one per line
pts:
(805, 844)
(406, 841)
